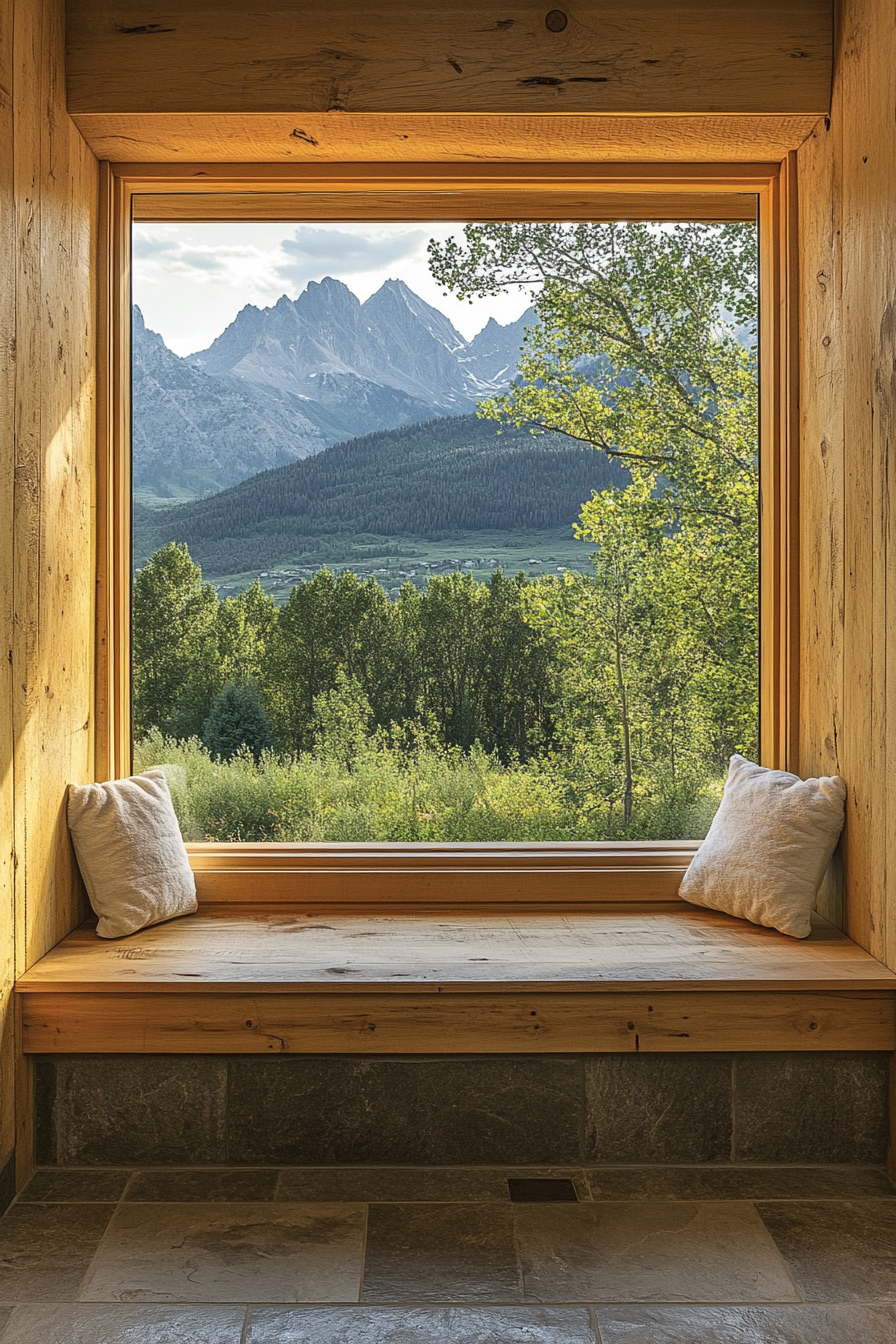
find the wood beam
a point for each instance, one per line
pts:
(344, 137)
(616, 56)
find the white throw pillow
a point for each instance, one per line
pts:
(130, 851)
(768, 847)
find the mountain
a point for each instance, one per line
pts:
(434, 480)
(193, 433)
(493, 354)
(335, 351)
(282, 383)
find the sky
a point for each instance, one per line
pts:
(191, 280)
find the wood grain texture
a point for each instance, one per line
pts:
(7, 436)
(333, 950)
(848, 221)
(822, 469)
(539, 177)
(112, 667)
(671, 1022)
(637, 56)
(322, 206)
(779, 682)
(307, 139)
(54, 459)
(47, 302)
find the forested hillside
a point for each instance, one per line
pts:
(458, 474)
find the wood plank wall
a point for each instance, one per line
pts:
(48, 203)
(847, 176)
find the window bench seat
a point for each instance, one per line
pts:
(656, 978)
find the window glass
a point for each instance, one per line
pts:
(444, 532)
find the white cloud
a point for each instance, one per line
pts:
(191, 280)
(316, 252)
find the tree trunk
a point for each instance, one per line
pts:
(626, 725)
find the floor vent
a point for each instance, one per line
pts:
(538, 1190)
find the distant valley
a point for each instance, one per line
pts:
(454, 492)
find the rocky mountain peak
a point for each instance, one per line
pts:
(328, 368)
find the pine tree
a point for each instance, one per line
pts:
(237, 719)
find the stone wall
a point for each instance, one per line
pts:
(323, 1110)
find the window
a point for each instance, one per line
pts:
(660, 195)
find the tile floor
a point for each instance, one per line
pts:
(668, 1255)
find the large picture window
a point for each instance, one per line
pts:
(455, 540)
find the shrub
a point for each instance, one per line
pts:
(406, 789)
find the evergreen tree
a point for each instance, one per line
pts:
(237, 719)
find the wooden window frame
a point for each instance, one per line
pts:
(541, 874)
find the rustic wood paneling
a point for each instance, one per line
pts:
(822, 473)
(671, 1022)
(848, 224)
(332, 137)
(621, 56)
(320, 206)
(48, 180)
(54, 454)
(7, 436)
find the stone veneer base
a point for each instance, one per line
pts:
(452, 1110)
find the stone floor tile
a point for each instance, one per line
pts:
(440, 1253)
(748, 1325)
(189, 1185)
(229, 1253)
(649, 1252)
(46, 1249)
(408, 1185)
(57, 1185)
(837, 1251)
(82, 1324)
(739, 1183)
(420, 1325)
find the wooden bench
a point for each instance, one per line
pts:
(652, 977)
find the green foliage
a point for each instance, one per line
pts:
(187, 645)
(237, 719)
(632, 354)
(462, 648)
(342, 722)
(405, 790)
(173, 636)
